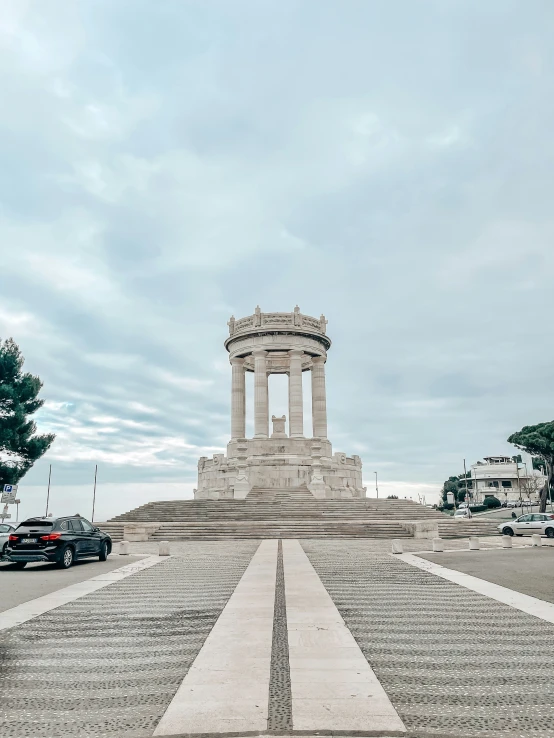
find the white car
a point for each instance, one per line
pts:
(526, 525)
(5, 530)
(463, 512)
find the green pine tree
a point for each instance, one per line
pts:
(20, 447)
(538, 440)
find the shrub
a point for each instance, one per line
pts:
(491, 501)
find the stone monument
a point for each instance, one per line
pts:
(279, 343)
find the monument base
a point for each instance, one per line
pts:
(279, 463)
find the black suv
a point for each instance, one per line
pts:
(58, 540)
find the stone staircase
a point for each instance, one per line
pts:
(114, 530)
(290, 494)
(451, 528)
(279, 529)
(275, 513)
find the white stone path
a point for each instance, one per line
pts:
(333, 686)
(226, 688)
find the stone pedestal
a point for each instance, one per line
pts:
(278, 426)
(242, 486)
(317, 484)
(422, 529)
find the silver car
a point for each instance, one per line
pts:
(526, 525)
(5, 530)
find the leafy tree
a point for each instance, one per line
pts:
(538, 440)
(20, 447)
(457, 485)
(491, 501)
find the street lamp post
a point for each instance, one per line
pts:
(376, 485)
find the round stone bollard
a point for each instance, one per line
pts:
(163, 549)
(474, 543)
(397, 547)
(438, 544)
(506, 541)
(536, 539)
(123, 548)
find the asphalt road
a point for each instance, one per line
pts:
(526, 570)
(21, 585)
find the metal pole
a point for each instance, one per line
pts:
(465, 479)
(48, 493)
(376, 486)
(94, 493)
(519, 486)
(475, 478)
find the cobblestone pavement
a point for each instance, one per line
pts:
(453, 662)
(109, 663)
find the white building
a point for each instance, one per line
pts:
(505, 479)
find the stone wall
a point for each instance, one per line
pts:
(281, 463)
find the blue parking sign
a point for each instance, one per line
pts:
(8, 487)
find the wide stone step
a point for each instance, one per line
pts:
(462, 528)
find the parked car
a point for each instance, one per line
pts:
(526, 525)
(463, 505)
(5, 530)
(463, 512)
(60, 540)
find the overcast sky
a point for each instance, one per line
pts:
(166, 163)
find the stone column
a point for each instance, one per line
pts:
(296, 407)
(261, 405)
(238, 406)
(319, 401)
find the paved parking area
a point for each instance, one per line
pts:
(526, 570)
(35, 580)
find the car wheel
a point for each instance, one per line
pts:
(67, 558)
(549, 532)
(507, 531)
(20, 564)
(104, 551)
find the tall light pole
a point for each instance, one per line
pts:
(94, 493)
(465, 479)
(376, 485)
(48, 493)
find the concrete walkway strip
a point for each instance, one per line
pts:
(226, 690)
(333, 686)
(525, 603)
(29, 610)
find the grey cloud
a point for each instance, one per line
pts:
(389, 164)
